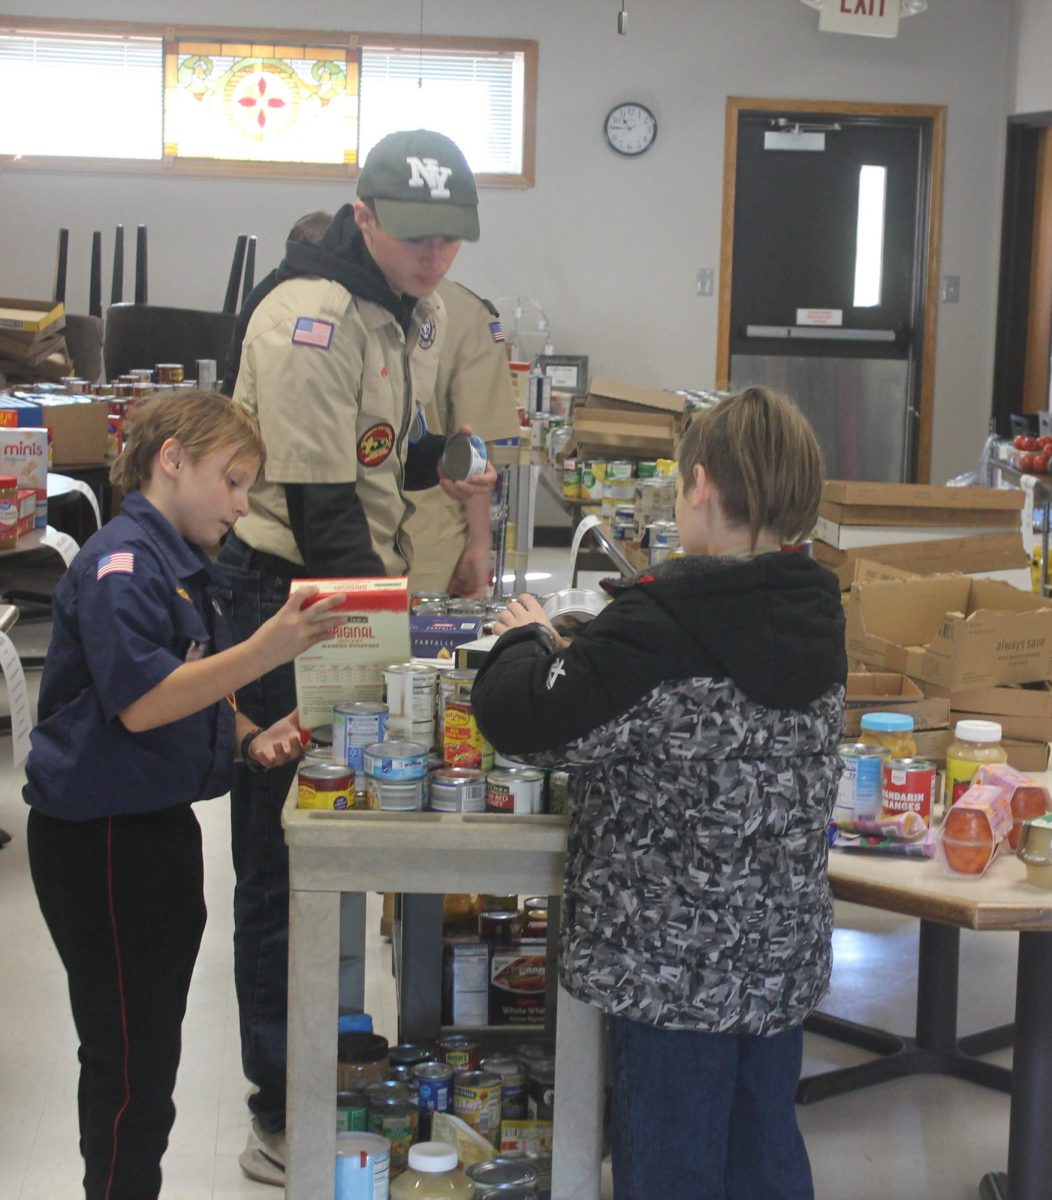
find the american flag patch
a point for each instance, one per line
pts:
(497, 329)
(309, 332)
(121, 563)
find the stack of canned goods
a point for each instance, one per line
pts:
(506, 1098)
(421, 748)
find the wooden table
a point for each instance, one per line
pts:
(1001, 900)
(334, 855)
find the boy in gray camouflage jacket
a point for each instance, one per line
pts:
(700, 714)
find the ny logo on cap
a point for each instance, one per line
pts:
(428, 172)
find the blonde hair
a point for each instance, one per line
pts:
(201, 421)
(762, 455)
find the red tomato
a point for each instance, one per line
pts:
(1027, 802)
(1019, 441)
(1045, 441)
(1025, 463)
(1041, 463)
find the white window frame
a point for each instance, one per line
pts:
(525, 116)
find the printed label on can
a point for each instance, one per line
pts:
(363, 1167)
(859, 790)
(395, 760)
(394, 795)
(463, 744)
(476, 1100)
(514, 791)
(409, 693)
(325, 786)
(908, 785)
(355, 726)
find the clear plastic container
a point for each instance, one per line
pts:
(975, 743)
(433, 1174)
(893, 730)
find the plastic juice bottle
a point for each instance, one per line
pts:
(893, 730)
(975, 743)
(434, 1174)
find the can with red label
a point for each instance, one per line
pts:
(908, 785)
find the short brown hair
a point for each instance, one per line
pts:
(761, 453)
(310, 227)
(202, 422)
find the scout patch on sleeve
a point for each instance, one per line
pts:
(120, 563)
(427, 334)
(309, 332)
(376, 444)
(497, 329)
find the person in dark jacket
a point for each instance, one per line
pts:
(699, 714)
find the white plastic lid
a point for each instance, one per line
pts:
(978, 731)
(433, 1157)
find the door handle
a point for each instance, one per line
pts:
(815, 333)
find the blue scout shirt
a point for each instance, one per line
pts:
(136, 602)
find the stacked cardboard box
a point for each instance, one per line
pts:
(32, 344)
(626, 420)
(982, 647)
(925, 529)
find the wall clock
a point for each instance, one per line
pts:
(630, 128)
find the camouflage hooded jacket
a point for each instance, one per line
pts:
(700, 714)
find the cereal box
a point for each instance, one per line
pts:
(23, 453)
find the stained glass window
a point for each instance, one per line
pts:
(260, 103)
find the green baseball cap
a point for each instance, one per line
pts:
(421, 186)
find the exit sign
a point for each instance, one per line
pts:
(870, 18)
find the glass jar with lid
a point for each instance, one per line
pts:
(434, 1174)
(891, 730)
(974, 744)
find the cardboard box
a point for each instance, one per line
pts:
(29, 316)
(989, 552)
(349, 666)
(859, 503)
(883, 691)
(434, 636)
(23, 453)
(16, 411)
(517, 977)
(1020, 700)
(952, 631)
(1026, 756)
(465, 982)
(1013, 728)
(626, 417)
(78, 430)
(933, 743)
(852, 537)
(864, 570)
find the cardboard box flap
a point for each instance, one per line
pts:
(609, 393)
(918, 495)
(989, 633)
(638, 431)
(865, 687)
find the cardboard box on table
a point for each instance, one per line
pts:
(986, 552)
(951, 631)
(848, 503)
(635, 421)
(889, 691)
(78, 429)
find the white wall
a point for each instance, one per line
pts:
(609, 246)
(1033, 79)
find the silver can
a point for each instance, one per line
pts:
(458, 789)
(355, 726)
(409, 693)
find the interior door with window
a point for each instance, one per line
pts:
(829, 278)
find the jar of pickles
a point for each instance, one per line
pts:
(893, 730)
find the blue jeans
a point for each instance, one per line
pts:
(705, 1116)
(261, 862)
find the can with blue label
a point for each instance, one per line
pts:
(464, 457)
(355, 726)
(395, 760)
(434, 1081)
(859, 794)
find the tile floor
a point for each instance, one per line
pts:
(924, 1138)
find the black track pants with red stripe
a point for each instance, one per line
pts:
(123, 898)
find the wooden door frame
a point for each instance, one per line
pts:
(936, 114)
(1023, 144)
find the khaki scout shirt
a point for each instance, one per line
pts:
(336, 386)
(473, 388)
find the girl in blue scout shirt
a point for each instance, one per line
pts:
(135, 724)
(700, 714)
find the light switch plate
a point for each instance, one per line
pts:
(950, 292)
(706, 281)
